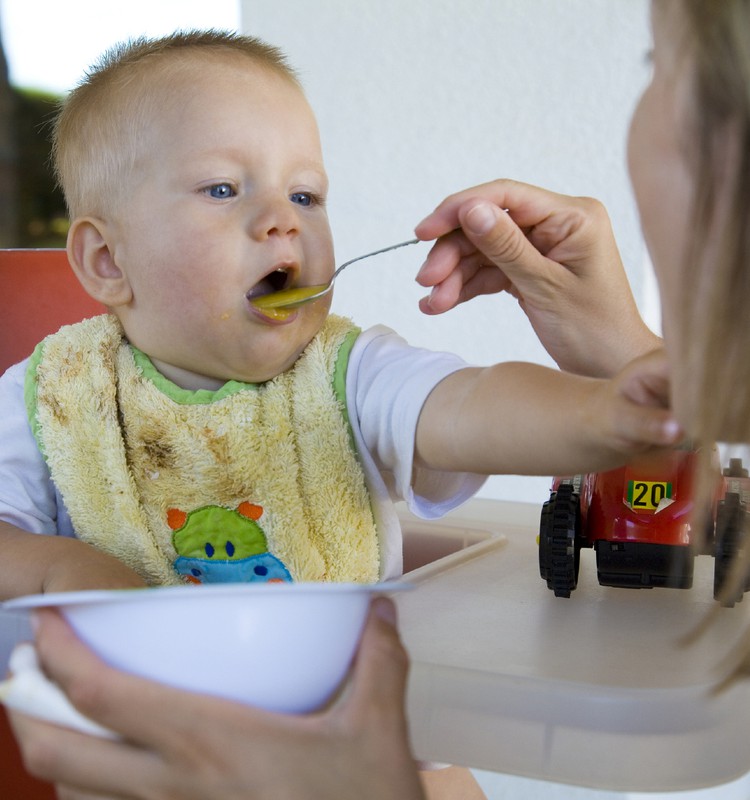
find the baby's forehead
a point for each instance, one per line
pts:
(155, 89)
(182, 87)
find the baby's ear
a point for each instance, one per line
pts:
(94, 265)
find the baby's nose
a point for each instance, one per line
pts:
(275, 217)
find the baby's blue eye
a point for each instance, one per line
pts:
(221, 191)
(302, 198)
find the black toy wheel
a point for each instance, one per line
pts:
(730, 516)
(560, 541)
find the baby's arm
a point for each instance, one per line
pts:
(31, 563)
(516, 418)
(33, 558)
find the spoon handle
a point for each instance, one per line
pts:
(375, 253)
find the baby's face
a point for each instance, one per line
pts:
(227, 203)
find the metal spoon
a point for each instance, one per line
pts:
(292, 298)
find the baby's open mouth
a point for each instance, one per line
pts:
(277, 280)
(273, 282)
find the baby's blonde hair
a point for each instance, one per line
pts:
(98, 131)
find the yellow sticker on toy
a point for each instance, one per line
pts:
(646, 495)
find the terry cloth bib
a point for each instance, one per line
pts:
(249, 483)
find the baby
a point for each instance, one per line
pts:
(189, 435)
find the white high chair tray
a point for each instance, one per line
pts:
(595, 690)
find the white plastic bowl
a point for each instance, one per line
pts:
(282, 647)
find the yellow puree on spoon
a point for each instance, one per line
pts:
(279, 305)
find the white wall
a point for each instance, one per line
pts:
(419, 98)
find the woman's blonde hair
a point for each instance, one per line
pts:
(712, 353)
(714, 334)
(100, 126)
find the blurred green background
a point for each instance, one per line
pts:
(32, 209)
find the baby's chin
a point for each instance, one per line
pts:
(264, 360)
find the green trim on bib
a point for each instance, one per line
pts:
(339, 375)
(185, 397)
(30, 392)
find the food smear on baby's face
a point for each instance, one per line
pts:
(275, 313)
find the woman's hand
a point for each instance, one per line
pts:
(555, 254)
(182, 745)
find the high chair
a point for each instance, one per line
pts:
(39, 293)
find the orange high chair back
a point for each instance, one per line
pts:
(38, 293)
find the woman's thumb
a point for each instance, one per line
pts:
(494, 233)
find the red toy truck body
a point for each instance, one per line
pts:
(638, 519)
